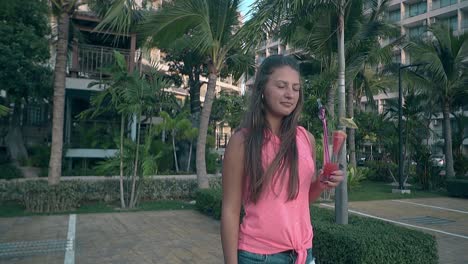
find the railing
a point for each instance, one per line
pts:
(89, 61)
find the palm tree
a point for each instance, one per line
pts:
(272, 14)
(444, 77)
(214, 27)
(62, 9)
(131, 95)
(366, 26)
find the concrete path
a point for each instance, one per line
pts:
(172, 237)
(446, 218)
(167, 237)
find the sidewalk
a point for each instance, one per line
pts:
(172, 237)
(446, 218)
(139, 237)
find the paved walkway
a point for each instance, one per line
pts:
(172, 237)
(168, 237)
(446, 218)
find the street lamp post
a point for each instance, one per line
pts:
(401, 187)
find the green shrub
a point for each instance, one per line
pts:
(457, 188)
(362, 241)
(4, 155)
(39, 156)
(366, 240)
(209, 202)
(211, 162)
(10, 171)
(461, 165)
(380, 170)
(42, 198)
(355, 176)
(105, 190)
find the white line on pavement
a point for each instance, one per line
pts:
(431, 206)
(401, 223)
(70, 248)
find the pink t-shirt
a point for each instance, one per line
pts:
(274, 224)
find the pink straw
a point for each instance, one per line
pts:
(326, 152)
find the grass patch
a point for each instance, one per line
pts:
(15, 209)
(368, 191)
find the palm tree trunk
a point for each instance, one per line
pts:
(122, 127)
(449, 170)
(135, 169)
(189, 156)
(175, 153)
(201, 143)
(341, 199)
(55, 164)
(351, 132)
(194, 83)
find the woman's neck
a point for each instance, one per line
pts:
(274, 123)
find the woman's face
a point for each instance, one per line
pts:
(281, 92)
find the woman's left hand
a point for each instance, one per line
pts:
(334, 180)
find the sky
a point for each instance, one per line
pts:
(244, 7)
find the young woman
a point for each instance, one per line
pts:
(269, 169)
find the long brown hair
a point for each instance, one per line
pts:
(256, 125)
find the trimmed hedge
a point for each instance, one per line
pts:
(209, 202)
(41, 198)
(457, 188)
(104, 190)
(363, 240)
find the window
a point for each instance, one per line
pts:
(394, 16)
(416, 9)
(442, 3)
(416, 31)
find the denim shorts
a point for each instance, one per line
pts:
(286, 257)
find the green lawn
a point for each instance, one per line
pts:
(368, 191)
(14, 209)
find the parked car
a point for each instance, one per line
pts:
(361, 161)
(438, 160)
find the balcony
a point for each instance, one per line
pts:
(90, 61)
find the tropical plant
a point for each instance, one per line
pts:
(178, 127)
(24, 73)
(214, 27)
(135, 98)
(444, 75)
(62, 10)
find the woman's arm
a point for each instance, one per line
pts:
(233, 173)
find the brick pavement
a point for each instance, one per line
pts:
(451, 249)
(189, 237)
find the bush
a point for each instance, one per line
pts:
(39, 156)
(461, 165)
(209, 202)
(9, 171)
(4, 155)
(363, 240)
(457, 188)
(42, 198)
(355, 176)
(102, 190)
(380, 170)
(366, 240)
(212, 161)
